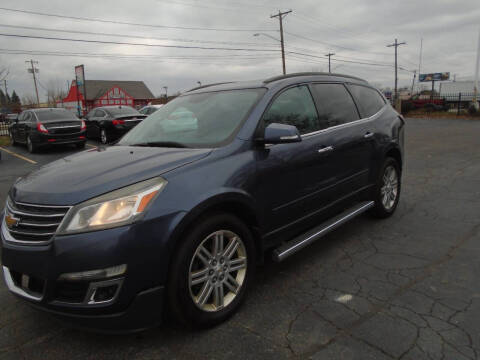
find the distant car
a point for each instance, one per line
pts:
(39, 128)
(149, 109)
(10, 118)
(109, 123)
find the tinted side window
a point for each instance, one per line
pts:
(294, 107)
(26, 117)
(99, 113)
(369, 100)
(335, 105)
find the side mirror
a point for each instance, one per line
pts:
(276, 133)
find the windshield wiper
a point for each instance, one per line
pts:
(170, 144)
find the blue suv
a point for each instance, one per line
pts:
(173, 219)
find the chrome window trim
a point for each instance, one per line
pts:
(359, 121)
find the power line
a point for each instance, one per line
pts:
(134, 36)
(153, 56)
(128, 23)
(136, 44)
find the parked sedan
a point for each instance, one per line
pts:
(39, 128)
(109, 123)
(150, 109)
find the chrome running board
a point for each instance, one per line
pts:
(299, 242)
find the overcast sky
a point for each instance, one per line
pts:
(355, 30)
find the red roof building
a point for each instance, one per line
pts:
(106, 92)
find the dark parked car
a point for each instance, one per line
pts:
(108, 123)
(39, 128)
(180, 211)
(149, 109)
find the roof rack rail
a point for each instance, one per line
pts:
(208, 85)
(281, 77)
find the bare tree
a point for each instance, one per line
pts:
(55, 92)
(29, 100)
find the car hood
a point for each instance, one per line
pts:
(82, 176)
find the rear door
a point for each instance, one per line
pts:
(98, 117)
(349, 136)
(22, 126)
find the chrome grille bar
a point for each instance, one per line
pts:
(35, 224)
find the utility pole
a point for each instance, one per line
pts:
(396, 44)
(5, 86)
(477, 66)
(166, 94)
(33, 70)
(329, 56)
(280, 16)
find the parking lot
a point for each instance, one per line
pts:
(402, 288)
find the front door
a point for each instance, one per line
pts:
(293, 179)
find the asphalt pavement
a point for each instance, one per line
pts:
(402, 288)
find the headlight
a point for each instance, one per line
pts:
(119, 207)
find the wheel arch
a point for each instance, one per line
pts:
(236, 203)
(394, 152)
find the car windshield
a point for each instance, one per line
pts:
(55, 114)
(122, 110)
(197, 120)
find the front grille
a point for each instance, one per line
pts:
(36, 224)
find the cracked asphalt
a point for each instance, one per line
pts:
(402, 288)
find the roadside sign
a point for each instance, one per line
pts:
(434, 77)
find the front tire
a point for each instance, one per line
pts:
(31, 147)
(12, 139)
(211, 271)
(387, 189)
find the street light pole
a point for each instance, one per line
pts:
(166, 94)
(280, 16)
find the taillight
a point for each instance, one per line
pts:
(42, 128)
(118, 122)
(84, 126)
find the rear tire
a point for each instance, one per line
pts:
(387, 189)
(104, 139)
(211, 271)
(80, 146)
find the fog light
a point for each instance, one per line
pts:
(94, 274)
(105, 293)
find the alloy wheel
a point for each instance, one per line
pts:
(217, 270)
(389, 190)
(103, 136)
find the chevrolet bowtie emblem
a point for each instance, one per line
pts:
(11, 221)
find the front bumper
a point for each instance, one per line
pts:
(138, 304)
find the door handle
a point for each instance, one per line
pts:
(325, 149)
(368, 135)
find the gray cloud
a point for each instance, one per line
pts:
(354, 30)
